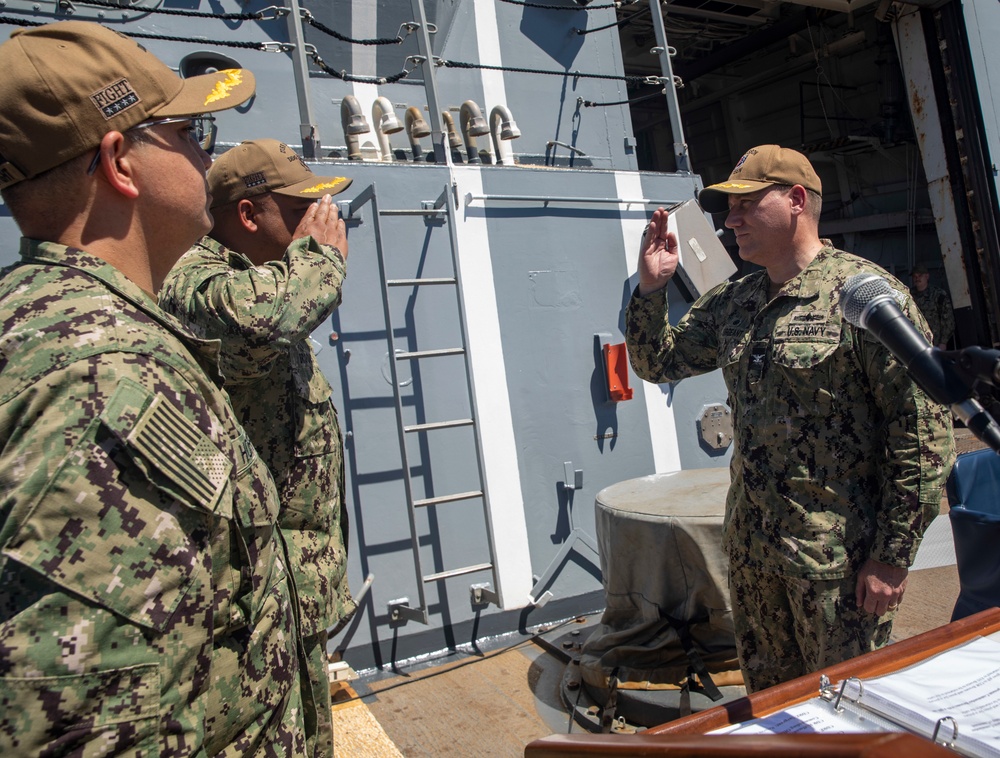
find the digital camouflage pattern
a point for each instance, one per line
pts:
(838, 456)
(935, 305)
(145, 608)
(820, 619)
(264, 316)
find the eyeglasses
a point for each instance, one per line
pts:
(202, 130)
(202, 127)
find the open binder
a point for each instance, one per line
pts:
(952, 698)
(911, 663)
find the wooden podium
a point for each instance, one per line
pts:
(687, 736)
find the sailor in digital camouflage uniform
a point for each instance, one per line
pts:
(145, 608)
(267, 277)
(839, 458)
(934, 304)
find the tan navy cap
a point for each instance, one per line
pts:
(760, 168)
(266, 165)
(67, 84)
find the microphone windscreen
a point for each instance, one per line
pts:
(859, 292)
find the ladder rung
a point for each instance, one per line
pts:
(425, 280)
(413, 212)
(447, 498)
(430, 353)
(438, 425)
(458, 572)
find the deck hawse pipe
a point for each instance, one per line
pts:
(503, 129)
(386, 123)
(454, 140)
(473, 125)
(416, 128)
(354, 123)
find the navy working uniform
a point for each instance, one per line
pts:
(839, 457)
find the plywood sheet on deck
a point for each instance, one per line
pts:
(357, 733)
(476, 707)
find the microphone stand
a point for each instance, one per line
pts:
(973, 365)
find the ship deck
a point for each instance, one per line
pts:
(494, 701)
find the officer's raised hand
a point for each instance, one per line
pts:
(657, 254)
(323, 222)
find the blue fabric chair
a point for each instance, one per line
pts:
(974, 495)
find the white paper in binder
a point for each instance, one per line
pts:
(952, 697)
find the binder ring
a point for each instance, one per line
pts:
(861, 692)
(954, 731)
(824, 686)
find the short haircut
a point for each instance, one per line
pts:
(814, 201)
(32, 198)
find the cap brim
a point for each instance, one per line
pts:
(208, 93)
(715, 197)
(316, 186)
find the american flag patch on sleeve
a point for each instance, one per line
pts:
(162, 436)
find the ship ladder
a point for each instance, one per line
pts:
(401, 610)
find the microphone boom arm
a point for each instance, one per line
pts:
(978, 363)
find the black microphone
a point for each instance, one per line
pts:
(869, 302)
